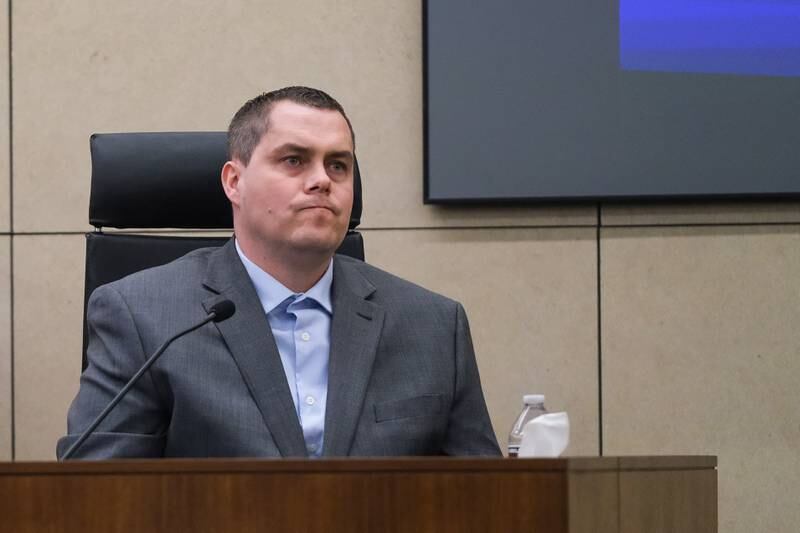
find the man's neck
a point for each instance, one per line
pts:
(296, 271)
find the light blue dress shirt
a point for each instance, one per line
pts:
(301, 325)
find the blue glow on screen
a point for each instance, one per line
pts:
(757, 37)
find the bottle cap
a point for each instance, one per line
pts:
(531, 399)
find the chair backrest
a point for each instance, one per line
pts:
(157, 181)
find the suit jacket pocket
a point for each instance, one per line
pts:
(428, 404)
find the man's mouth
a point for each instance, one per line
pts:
(326, 207)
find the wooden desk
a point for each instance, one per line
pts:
(414, 495)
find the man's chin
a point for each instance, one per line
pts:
(317, 244)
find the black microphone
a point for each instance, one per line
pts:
(220, 311)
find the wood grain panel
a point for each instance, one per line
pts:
(309, 496)
(668, 501)
(595, 498)
(412, 495)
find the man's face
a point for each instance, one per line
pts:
(296, 193)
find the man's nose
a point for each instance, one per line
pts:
(317, 179)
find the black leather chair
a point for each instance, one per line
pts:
(157, 181)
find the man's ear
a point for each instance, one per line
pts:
(231, 172)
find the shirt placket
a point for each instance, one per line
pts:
(310, 405)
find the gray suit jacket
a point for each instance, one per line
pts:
(402, 373)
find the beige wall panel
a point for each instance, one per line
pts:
(5, 350)
(87, 66)
(746, 212)
(5, 215)
(48, 290)
(701, 355)
(531, 299)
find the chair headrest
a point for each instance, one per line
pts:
(166, 180)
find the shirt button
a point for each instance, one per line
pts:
(305, 336)
(310, 400)
(312, 448)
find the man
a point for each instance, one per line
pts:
(325, 355)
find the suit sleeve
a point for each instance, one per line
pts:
(136, 427)
(469, 429)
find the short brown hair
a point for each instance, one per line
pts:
(250, 123)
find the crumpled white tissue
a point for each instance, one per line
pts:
(545, 436)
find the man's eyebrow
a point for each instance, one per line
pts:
(343, 154)
(300, 149)
(292, 147)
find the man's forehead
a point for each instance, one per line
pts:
(293, 123)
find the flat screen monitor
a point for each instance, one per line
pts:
(534, 100)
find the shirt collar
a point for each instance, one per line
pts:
(272, 292)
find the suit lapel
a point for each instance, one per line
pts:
(355, 331)
(249, 338)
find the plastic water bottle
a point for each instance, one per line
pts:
(534, 406)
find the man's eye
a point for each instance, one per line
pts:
(337, 166)
(292, 161)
